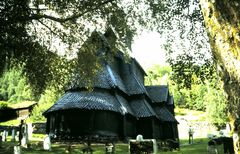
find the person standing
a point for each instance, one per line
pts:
(20, 136)
(190, 134)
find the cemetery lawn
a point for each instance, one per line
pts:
(199, 147)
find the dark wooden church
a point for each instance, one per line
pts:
(119, 107)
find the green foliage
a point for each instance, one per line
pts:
(3, 105)
(37, 33)
(216, 107)
(158, 75)
(14, 88)
(223, 28)
(204, 95)
(47, 99)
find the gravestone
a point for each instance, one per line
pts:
(17, 136)
(236, 142)
(141, 145)
(13, 135)
(17, 150)
(30, 130)
(47, 143)
(139, 138)
(110, 148)
(24, 141)
(4, 136)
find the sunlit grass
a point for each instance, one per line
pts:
(184, 111)
(201, 116)
(14, 122)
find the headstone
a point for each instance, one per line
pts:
(236, 142)
(144, 146)
(139, 138)
(13, 135)
(47, 143)
(17, 136)
(110, 148)
(4, 136)
(24, 141)
(228, 127)
(30, 130)
(17, 150)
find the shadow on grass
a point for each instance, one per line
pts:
(199, 147)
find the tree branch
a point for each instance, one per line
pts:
(75, 16)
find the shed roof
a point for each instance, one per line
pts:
(98, 100)
(158, 93)
(142, 108)
(164, 114)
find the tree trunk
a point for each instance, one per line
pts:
(221, 19)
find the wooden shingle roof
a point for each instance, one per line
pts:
(107, 78)
(142, 108)
(133, 85)
(98, 100)
(158, 93)
(170, 101)
(164, 114)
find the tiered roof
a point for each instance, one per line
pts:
(119, 87)
(97, 100)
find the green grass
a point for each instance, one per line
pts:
(184, 111)
(201, 116)
(199, 147)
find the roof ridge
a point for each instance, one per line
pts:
(111, 75)
(150, 107)
(120, 102)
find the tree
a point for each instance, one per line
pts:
(14, 88)
(158, 75)
(204, 95)
(222, 22)
(35, 32)
(47, 99)
(31, 32)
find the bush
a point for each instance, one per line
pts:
(47, 99)
(3, 105)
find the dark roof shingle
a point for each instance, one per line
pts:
(158, 93)
(164, 115)
(107, 78)
(170, 101)
(98, 100)
(133, 85)
(142, 108)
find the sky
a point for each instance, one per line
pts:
(147, 49)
